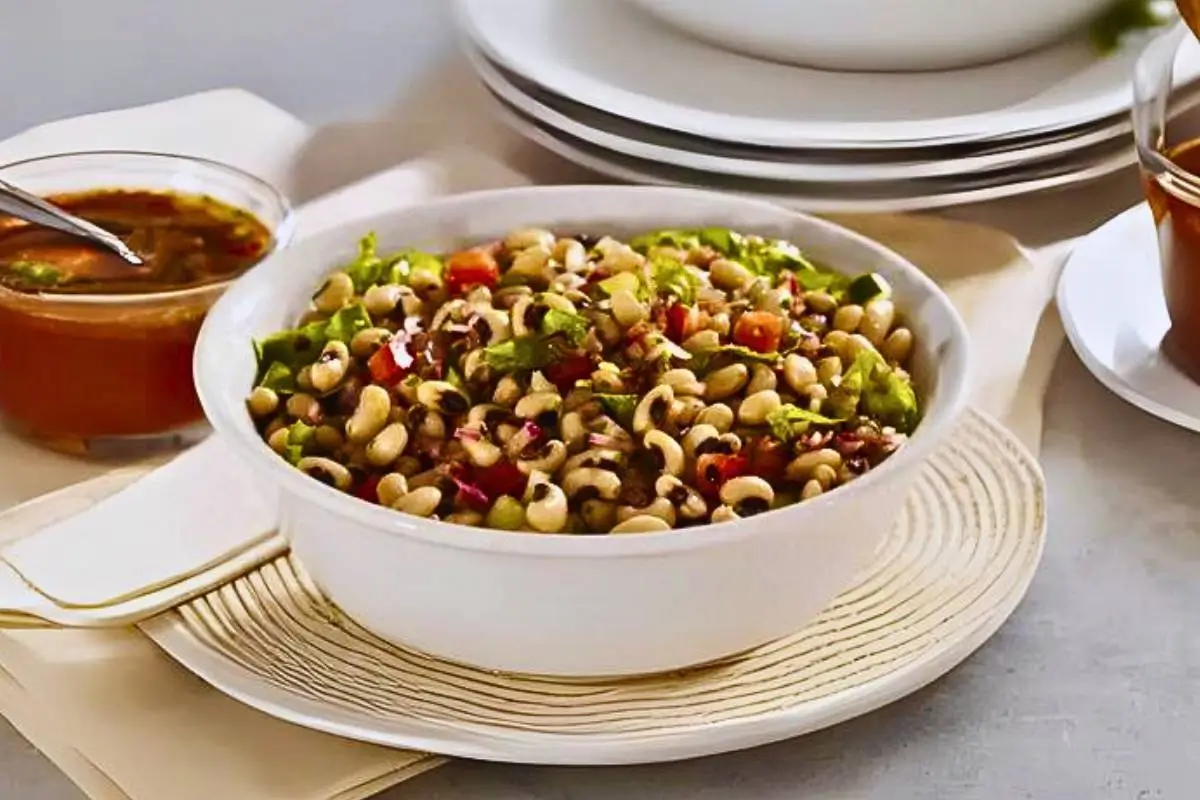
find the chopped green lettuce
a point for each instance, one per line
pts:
(876, 389)
(348, 321)
(573, 326)
(399, 267)
(293, 348)
(789, 421)
(522, 353)
(367, 268)
(299, 435)
(622, 281)
(684, 240)
(671, 277)
(278, 377)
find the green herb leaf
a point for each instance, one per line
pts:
(892, 400)
(522, 353)
(726, 242)
(367, 269)
(293, 348)
(621, 281)
(671, 277)
(348, 321)
(399, 267)
(684, 240)
(279, 377)
(789, 421)
(619, 406)
(573, 326)
(35, 273)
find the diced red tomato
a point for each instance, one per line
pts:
(713, 469)
(563, 374)
(768, 458)
(677, 317)
(391, 363)
(368, 489)
(471, 268)
(759, 330)
(502, 478)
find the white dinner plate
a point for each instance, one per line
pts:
(954, 567)
(1110, 297)
(628, 138)
(831, 197)
(609, 56)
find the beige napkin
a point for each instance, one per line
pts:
(125, 722)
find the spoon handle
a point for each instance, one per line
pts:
(20, 203)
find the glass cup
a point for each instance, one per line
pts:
(112, 374)
(1169, 156)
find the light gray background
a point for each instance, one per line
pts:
(1088, 692)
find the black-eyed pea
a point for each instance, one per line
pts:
(825, 475)
(627, 310)
(410, 303)
(278, 440)
(726, 382)
(328, 438)
(325, 470)
(330, 367)
(718, 415)
(816, 393)
(407, 390)
(304, 378)
(574, 431)
(366, 342)
(801, 467)
(828, 369)
(480, 298)
(607, 329)
(730, 275)
(611, 460)
(304, 406)
(683, 382)
(433, 426)
(721, 323)
(897, 346)
(666, 452)
(820, 301)
(617, 256)
(643, 523)
(847, 318)
(607, 381)
(755, 408)
(387, 445)
(506, 432)
(466, 516)
(878, 316)
(547, 510)
(421, 501)
(426, 285)
(684, 411)
(659, 507)
(506, 514)
(475, 368)
(498, 326)
(453, 311)
(371, 414)
(379, 301)
(548, 458)
(408, 466)
(488, 414)
(860, 344)
(590, 483)
(697, 435)
(508, 392)
(279, 423)
(336, 292)
(839, 343)
(538, 405)
(723, 513)
(811, 489)
(532, 263)
(762, 378)
(524, 238)
(556, 301)
(747, 495)
(262, 402)
(598, 515)
(687, 501)
(479, 449)
(652, 409)
(443, 397)
(571, 254)
(799, 372)
(702, 342)
(391, 488)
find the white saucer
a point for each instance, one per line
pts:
(834, 196)
(628, 138)
(1111, 302)
(954, 567)
(609, 56)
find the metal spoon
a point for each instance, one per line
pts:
(31, 208)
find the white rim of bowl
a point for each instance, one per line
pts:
(928, 434)
(281, 235)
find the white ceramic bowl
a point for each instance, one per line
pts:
(571, 605)
(882, 35)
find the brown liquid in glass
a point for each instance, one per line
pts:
(1178, 222)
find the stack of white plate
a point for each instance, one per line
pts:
(604, 85)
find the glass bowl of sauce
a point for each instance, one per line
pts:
(96, 354)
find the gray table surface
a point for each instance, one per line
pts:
(1089, 690)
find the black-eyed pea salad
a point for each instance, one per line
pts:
(553, 383)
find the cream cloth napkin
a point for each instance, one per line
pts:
(125, 722)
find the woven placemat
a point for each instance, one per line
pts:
(961, 553)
